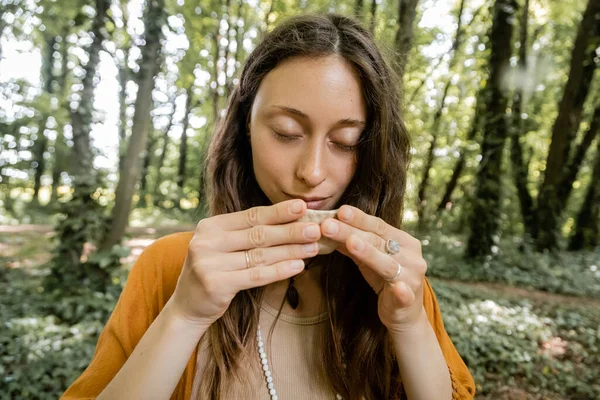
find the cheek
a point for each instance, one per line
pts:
(269, 164)
(347, 173)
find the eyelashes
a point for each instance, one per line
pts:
(290, 138)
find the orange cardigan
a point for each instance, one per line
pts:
(150, 284)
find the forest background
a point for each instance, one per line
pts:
(106, 108)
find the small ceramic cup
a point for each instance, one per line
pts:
(326, 245)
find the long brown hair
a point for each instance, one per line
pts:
(354, 335)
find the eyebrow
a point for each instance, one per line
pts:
(351, 122)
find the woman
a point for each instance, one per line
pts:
(314, 123)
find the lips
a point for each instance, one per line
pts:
(313, 202)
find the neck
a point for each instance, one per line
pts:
(308, 284)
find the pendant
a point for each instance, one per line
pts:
(292, 295)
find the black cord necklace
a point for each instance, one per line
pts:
(292, 293)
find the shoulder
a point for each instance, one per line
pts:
(171, 245)
(160, 264)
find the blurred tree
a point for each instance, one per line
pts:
(183, 143)
(61, 150)
(407, 11)
(584, 60)
(373, 15)
(437, 117)
(146, 160)
(41, 144)
(358, 9)
(587, 225)
(486, 204)
(154, 20)
(163, 153)
(82, 221)
(520, 169)
(476, 122)
(124, 46)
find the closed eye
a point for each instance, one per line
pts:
(284, 138)
(291, 138)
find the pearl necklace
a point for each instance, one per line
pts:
(265, 366)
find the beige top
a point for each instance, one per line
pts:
(292, 360)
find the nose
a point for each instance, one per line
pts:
(311, 165)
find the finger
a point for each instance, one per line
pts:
(270, 235)
(263, 275)
(403, 293)
(367, 255)
(340, 232)
(386, 267)
(266, 256)
(280, 213)
(369, 223)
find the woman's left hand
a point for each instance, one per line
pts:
(363, 238)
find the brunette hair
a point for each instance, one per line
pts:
(354, 335)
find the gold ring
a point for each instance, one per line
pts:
(247, 258)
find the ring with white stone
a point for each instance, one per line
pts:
(392, 247)
(395, 278)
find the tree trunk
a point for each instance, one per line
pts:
(435, 126)
(239, 38)
(202, 204)
(567, 123)
(358, 9)
(460, 164)
(60, 147)
(587, 224)
(39, 163)
(486, 202)
(215, 90)
(147, 158)
(574, 165)
(41, 144)
(373, 15)
(82, 117)
(462, 159)
(407, 11)
(83, 213)
(163, 154)
(520, 170)
(153, 22)
(183, 145)
(58, 166)
(124, 73)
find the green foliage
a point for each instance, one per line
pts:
(547, 349)
(41, 354)
(516, 264)
(82, 223)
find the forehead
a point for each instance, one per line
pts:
(326, 88)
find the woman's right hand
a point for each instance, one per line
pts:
(215, 267)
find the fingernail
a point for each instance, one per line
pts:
(346, 214)
(311, 232)
(309, 247)
(297, 265)
(332, 228)
(296, 207)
